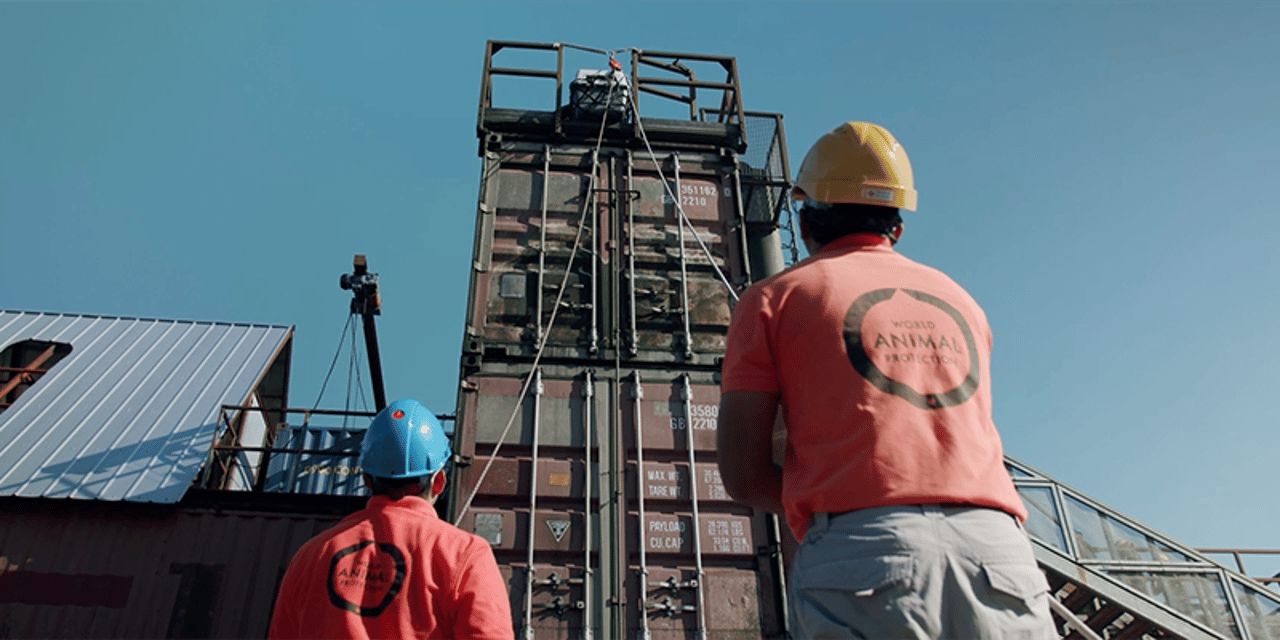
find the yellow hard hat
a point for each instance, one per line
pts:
(857, 162)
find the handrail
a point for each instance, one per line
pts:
(1236, 553)
(228, 450)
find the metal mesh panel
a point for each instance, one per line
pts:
(764, 145)
(763, 168)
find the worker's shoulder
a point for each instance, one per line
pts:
(459, 545)
(429, 521)
(840, 263)
(467, 540)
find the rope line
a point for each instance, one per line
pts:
(635, 110)
(342, 338)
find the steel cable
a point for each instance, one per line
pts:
(635, 110)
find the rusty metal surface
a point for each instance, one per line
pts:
(629, 240)
(593, 475)
(84, 569)
(580, 534)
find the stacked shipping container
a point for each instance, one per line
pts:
(607, 254)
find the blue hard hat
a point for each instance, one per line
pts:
(405, 440)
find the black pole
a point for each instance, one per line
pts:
(375, 362)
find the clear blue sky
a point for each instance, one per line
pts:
(1102, 178)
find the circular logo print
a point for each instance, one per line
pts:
(366, 583)
(866, 367)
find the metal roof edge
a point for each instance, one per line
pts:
(290, 327)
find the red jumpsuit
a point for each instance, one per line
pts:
(393, 570)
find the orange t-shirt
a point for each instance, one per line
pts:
(393, 570)
(883, 370)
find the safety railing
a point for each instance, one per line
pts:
(1168, 573)
(679, 80)
(1273, 555)
(263, 450)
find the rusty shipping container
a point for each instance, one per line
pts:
(91, 569)
(609, 247)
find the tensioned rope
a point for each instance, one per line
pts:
(635, 110)
(342, 338)
(355, 385)
(356, 390)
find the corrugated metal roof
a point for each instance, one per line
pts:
(130, 412)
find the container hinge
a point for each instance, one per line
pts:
(668, 607)
(767, 551)
(558, 605)
(675, 585)
(554, 580)
(460, 460)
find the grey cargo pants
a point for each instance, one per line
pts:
(918, 571)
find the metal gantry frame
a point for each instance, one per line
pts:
(681, 86)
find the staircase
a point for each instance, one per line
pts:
(1113, 579)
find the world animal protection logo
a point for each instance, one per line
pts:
(912, 345)
(365, 577)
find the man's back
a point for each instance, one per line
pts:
(882, 366)
(893, 477)
(393, 569)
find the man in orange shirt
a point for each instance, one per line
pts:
(893, 474)
(394, 569)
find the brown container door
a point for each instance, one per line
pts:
(702, 564)
(587, 250)
(605, 509)
(676, 302)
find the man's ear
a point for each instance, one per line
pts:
(437, 483)
(805, 233)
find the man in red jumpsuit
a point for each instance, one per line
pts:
(394, 569)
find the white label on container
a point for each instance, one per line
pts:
(558, 527)
(489, 527)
